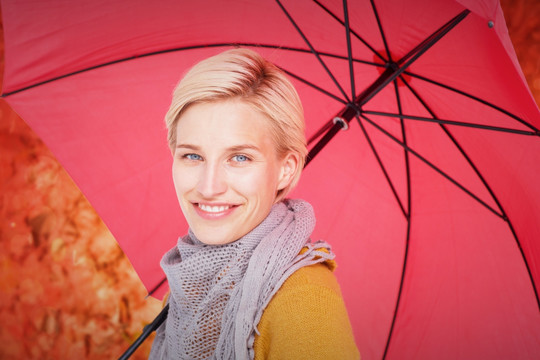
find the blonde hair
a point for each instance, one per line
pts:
(245, 75)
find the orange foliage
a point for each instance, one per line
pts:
(66, 289)
(523, 21)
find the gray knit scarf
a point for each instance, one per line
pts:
(219, 292)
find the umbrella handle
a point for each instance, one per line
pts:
(147, 330)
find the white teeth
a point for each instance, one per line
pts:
(213, 209)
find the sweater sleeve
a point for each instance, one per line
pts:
(306, 319)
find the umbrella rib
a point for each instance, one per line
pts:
(379, 24)
(341, 57)
(449, 122)
(400, 291)
(383, 168)
(488, 188)
(454, 141)
(505, 216)
(393, 70)
(487, 103)
(407, 239)
(406, 154)
(349, 48)
(191, 47)
(356, 35)
(313, 51)
(427, 162)
(309, 83)
(155, 288)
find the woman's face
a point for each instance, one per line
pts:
(226, 171)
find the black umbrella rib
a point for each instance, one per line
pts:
(184, 48)
(393, 70)
(155, 288)
(309, 83)
(349, 48)
(383, 168)
(449, 122)
(505, 217)
(488, 188)
(341, 57)
(356, 35)
(470, 96)
(405, 153)
(332, 131)
(313, 51)
(431, 165)
(407, 239)
(400, 291)
(117, 61)
(458, 146)
(381, 30)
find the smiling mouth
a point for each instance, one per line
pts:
(213, 208)
(214, 212)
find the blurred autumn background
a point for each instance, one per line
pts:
(66, 289)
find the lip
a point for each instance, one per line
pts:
(230, 208)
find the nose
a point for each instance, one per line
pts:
(212, 180)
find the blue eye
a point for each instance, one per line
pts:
(194, 157)
(240, 158)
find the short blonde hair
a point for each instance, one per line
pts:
(245, 75)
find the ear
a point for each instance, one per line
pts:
(289, 166)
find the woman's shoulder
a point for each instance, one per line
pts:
(310, 288)
(306, 318)
(319, 275)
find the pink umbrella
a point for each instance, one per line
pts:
(430, 198)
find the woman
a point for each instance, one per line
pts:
(246, 282)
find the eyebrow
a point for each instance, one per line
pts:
(234, 148)
(244, 147)
(188, 146)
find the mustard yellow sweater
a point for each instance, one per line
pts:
(306, 319)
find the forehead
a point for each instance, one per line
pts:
(225, 123)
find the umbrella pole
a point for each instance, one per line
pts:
(147, 330)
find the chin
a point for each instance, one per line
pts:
(213, 239)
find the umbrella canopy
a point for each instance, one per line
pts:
(430, 198)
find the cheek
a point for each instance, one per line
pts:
(261, 183)
(183, 179)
